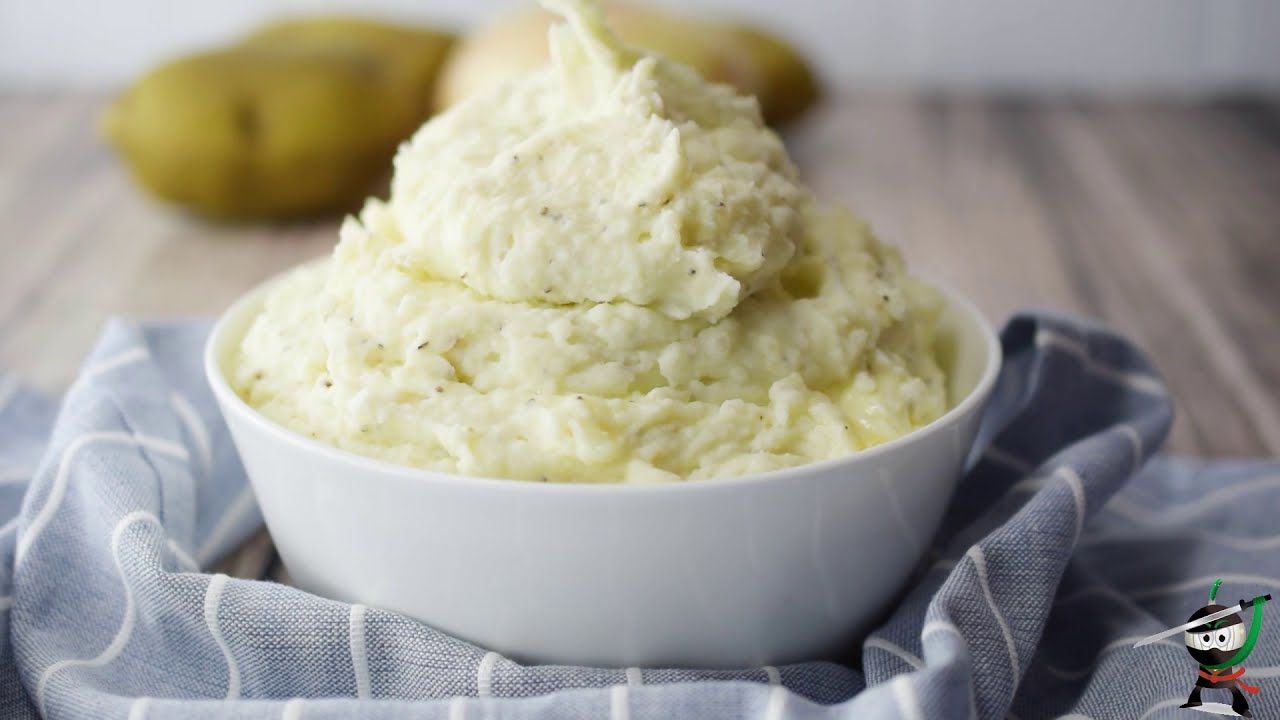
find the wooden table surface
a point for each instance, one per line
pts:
(1163, 219)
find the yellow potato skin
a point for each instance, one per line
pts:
(414, 54)
(301, 119)
(753, 61)
(787, 85)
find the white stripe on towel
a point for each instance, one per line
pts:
(212, 598)
(124, 633)
(895, 650)
(359, 658)
(138, 708)
(1135, 439)
(979, 559)
(484, 674)
(904, 694)
(59, 489)
(777, 704)
(119, 360)
(195, 427)
(1141, 382)
(619, 708)
(1073, 481)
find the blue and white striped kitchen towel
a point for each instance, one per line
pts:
(1034, 591)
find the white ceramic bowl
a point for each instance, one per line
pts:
(767, 568)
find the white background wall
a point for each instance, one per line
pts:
(1149, 46)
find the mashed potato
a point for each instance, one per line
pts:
(605, 272)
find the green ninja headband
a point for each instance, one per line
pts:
(1255, 628)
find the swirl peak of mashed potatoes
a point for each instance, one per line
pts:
(611, 177)
(604, 272)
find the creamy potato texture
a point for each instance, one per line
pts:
(605, 272)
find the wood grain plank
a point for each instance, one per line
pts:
(1231, 234)
(30, 124)
(1177, 273)
(1084, 234)
(937, 180)
(92, 245)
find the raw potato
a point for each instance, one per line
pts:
(751, 60)
(299, 120)
(787, 86)
(415, 54)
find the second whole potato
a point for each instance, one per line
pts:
(752, 60)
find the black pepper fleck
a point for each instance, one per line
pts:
(720, 204)
(693, 272)
(544, 211)
(424, 344)
(328, 383)
(439, 388)
(643, 204)
(542, 478)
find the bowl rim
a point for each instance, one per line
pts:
(229, 402)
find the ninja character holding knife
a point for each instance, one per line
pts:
(1218, 640)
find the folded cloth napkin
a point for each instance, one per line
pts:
(1027, 605)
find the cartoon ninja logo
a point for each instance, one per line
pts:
(1221, 643)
